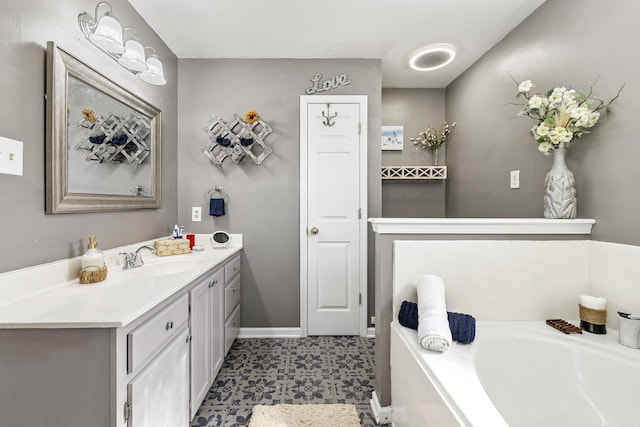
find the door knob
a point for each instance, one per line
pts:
(314, 230)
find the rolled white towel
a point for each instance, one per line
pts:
(433, 326)
(434, 333)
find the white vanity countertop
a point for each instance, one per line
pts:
(37, 297)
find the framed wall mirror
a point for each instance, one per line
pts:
(103, 149)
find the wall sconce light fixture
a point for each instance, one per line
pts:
(154, 73)
(106, 33)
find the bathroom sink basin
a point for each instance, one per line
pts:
(167, 267)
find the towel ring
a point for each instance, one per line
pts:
(218, 190)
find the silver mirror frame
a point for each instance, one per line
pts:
(61, 65)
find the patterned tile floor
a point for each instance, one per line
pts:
(269, 371)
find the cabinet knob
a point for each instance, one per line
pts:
(169, 325)
(235, 289)
(235, 268)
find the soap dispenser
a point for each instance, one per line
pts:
(93, 267)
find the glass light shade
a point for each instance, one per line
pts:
(154, 75)
(108, 35)
(133, 56)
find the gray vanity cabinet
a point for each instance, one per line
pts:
(211, 310)
(155, 370)
(206, 325)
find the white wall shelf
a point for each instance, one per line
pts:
(414, 172)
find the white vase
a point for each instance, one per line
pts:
(560, 189)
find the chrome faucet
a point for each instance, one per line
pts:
(134, 259)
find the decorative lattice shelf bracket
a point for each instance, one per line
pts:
(236, 139)
(414, 172)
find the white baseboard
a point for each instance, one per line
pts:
(282, 333)
(269, 333)
(382, 415)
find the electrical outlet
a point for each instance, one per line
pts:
(196, 213)
(373, 320)
(515, 179)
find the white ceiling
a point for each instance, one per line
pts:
(386, 29)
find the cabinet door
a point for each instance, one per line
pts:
(159, 396)
(231, 329)
(217, 327)
(200, 344)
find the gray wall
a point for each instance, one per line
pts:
(263, 200)
(559, 45)
(415, 109)
(30, 237)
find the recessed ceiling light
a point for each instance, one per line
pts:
(432, 57)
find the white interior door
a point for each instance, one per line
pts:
(333, 217)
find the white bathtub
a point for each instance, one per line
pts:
(518, 374)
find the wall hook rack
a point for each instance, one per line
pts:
(328, 117)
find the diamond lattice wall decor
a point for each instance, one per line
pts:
(113, 139)
(236, 139)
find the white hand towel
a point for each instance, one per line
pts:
(433, 326)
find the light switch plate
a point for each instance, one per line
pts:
(515, 179)
(10, 156)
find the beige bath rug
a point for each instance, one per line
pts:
(337, 415)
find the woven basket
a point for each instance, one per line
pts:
(172, 247)
(93, 276)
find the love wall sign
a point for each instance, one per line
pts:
(320, 85)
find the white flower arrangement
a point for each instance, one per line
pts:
(562, 114)
(432, 139)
